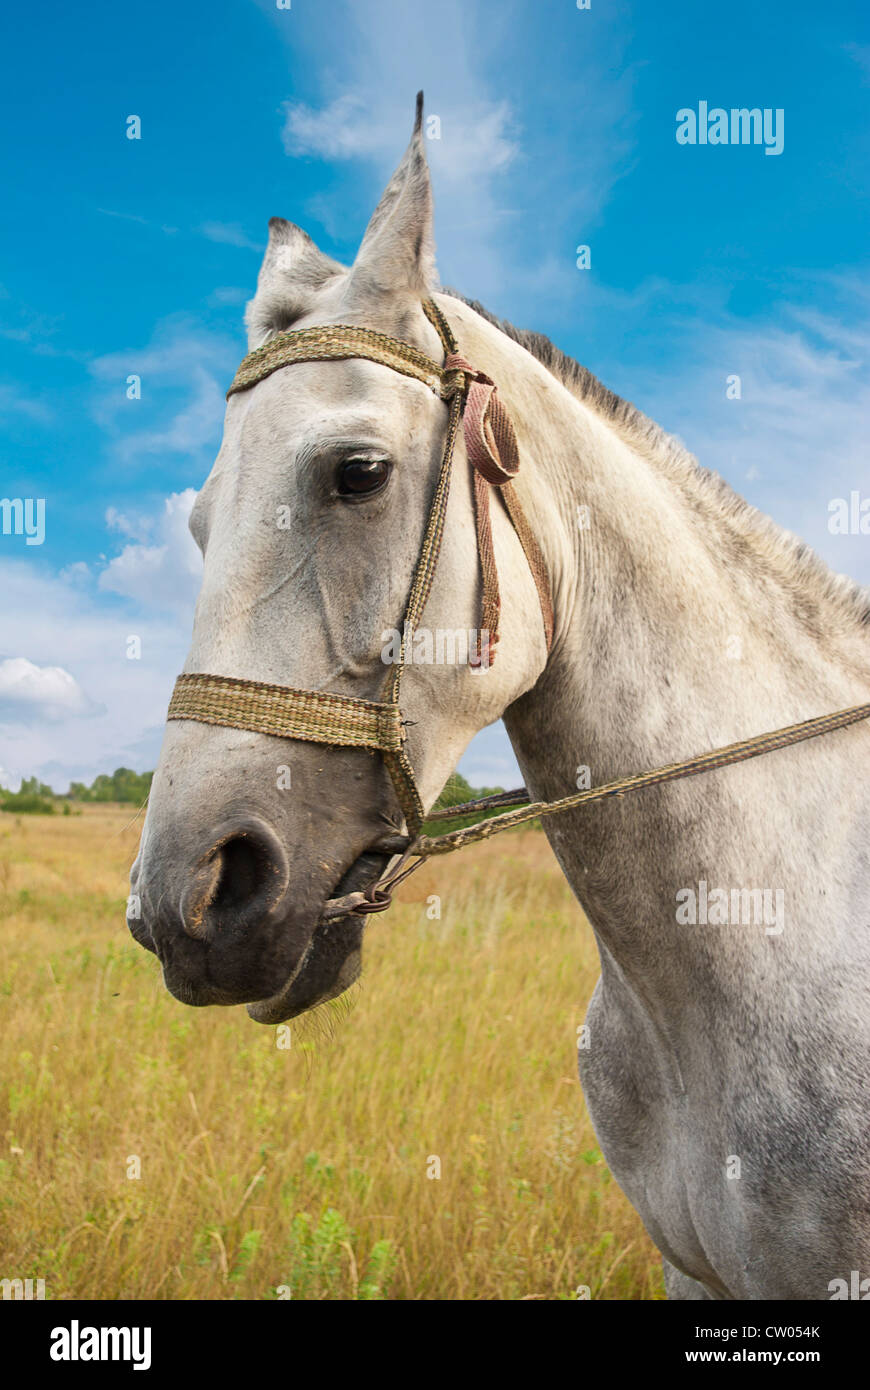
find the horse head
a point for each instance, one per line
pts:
(311, 525)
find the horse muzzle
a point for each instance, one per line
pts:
(237, 928)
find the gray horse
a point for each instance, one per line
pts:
(725, 1057)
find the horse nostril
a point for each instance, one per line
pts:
(244, 870)
(237, 883)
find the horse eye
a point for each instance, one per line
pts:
(356, 477)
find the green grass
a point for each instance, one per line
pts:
(308, 1172)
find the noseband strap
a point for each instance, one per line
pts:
(491, 445)
(313, 716)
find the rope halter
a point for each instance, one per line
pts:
(317, 716)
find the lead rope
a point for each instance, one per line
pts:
(424, 847)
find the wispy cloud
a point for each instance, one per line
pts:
(189, 431)
(183, 373)
(164, 571)
(224, 295)
(176, 343)
(343, 129)
(34, 329)
(797, 435)
(135, 527)
(143, 221)
(482, 134)
(860, 54)
(15, 401)
(479, 136)
(231, 234)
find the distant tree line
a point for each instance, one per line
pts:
(36, 798)
(123, 785)
(33, 798)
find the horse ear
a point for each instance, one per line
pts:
(397, 253)
(292, 275)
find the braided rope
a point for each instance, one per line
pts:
(332, 343)
(314, 716)
(398, 764)
(431, 547)
(441, 326)
(427, 846)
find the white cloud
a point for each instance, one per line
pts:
(190, 430)
(178, 342)
(229, 294)
(797, 436)
(166, 573)
(183, 358)
(464, 63)
(136, 528)
(29, 692)
(52, 623)
(14, 401)
(231, 234)
(481, 134)
(70, 634)
(135, 217)
(77, 573)
(344, 129)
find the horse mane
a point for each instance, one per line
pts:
(745, 530)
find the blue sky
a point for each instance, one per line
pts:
(558, 128)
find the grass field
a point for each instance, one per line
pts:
(301, 1172)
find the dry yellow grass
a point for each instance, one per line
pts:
(303, 1170)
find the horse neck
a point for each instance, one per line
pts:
(677, 632)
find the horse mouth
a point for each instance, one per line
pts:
(332, 961)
